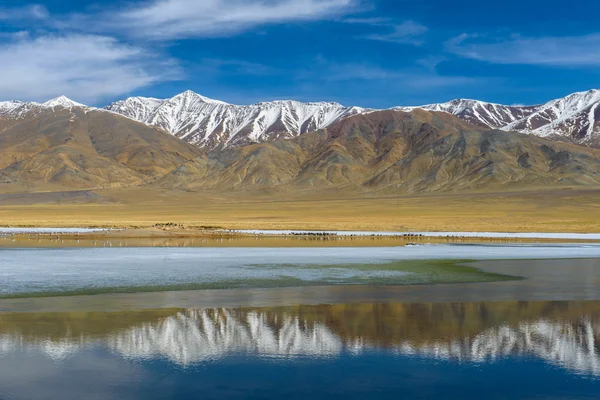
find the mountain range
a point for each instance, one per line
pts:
(191, 142)
(213, 124)
(400, 151)
(575, 117)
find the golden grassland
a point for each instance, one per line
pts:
(539, 210)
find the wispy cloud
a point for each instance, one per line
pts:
(87, 56)
(369, 21)
(409, 32)
(179, 19)
(218, 66)
(431, 62)
(565, 51)
(389, 30)
(86, 67)
(35, 11)
(412, 77)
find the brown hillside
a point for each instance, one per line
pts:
(79, 148)
(393, 150)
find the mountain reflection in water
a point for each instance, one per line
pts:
(564, 334)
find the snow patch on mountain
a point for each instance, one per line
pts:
(479, 113)
(211, 123)
(19, 110)
(573, 115)
(576, 116)
(62, 101)
(214, 124)
(7, 107)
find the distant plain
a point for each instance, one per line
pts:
(525, 210)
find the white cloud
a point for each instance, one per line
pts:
(409, 32)
(85, 67)
(369, 21)
(35, 11)
(414, 78)
(176, 19)
(216, 66)
(566, 51)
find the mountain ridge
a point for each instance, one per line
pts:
(212, 124)
(68, 146)
(403, 152)
(575, 117)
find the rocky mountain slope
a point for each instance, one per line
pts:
(575, 117)
(65, 144)
(394, 150)
(212, 124)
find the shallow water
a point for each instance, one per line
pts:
(55, 270)
(382, 350)
(463, 341)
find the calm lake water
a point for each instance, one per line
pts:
(489, 350)
(533, 337)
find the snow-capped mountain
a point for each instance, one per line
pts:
(479, 113)
(212, 124)
(62, 101)
(19, 109)
(576, 116)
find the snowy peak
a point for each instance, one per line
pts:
(215, 124)
(137, 108)
(62, 101)
(19, 110)
(575, 117)
(190, 96)
(6, 107)
(479, 113)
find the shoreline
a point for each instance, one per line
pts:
(178, 231)
(411, 234)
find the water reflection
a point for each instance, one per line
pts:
(564, 334)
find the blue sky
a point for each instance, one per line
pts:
(378, 53)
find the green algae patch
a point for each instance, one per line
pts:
(396, 273)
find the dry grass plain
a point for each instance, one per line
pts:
(539, 210)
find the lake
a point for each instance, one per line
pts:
(382, 350)
(433, 321)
